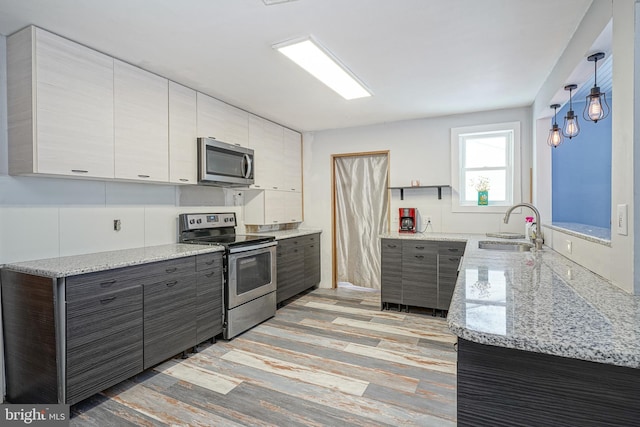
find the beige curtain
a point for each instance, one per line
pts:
(361, 216)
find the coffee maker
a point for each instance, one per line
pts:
(408, 220)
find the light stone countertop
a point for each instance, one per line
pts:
(100, 261)
(288, 234)
(540, 302)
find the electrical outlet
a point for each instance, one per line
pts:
(621, 220)
(117, 225)
(569, 246)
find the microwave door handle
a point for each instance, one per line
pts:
(246, 165)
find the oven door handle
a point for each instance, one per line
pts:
(252, 247)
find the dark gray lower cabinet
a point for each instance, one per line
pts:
(116, 323)
(419, 273)
(208, 296)
(298, 265)
(506, 387)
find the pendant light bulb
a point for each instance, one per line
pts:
(596, 107)
(555, 135)
(571, 127)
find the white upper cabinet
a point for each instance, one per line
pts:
(183, 156)
(265, 138)
(292, 157)
(60, 107)
(222, 121)
(270, 207)
(141, 124)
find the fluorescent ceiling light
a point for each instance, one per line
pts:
(324, 66)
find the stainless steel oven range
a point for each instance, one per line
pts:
(249, 268)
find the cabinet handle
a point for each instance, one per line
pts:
(210, 274)
(184, 180)
(419, 247)
(392, 246)
(210, 262)
(419, 256)
(172, 284)
(453, 250)
(275, 188)
(143, 176)
(107, 284)
(171, 270)
(79, 171)
(453, 259)
(107, 300)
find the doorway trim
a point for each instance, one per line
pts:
(334, 157)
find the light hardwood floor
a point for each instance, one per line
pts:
(328, 358)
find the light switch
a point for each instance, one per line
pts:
(621, 220)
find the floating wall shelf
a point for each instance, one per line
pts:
(439, 187)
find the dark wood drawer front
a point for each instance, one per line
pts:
(310, 239)
(451, 248)
(311, 265)
(169, 318)
(209, 304)
(419, 273)
(208, 261)
(93, 284)
(98, 365)
(95, 318)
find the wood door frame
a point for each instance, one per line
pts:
(334, 157)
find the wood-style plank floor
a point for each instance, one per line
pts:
(328, 358)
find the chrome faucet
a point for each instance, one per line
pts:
(538, 240)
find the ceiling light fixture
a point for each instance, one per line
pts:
(571, 127)
(596, 107)
(324, 66)
(555, 135)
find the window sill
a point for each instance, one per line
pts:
(491, 208)
(590, 233)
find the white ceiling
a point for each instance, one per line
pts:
(421, 58)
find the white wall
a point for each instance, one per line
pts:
(419, 149)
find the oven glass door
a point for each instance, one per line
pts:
(251, 274)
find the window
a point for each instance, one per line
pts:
(491, 152)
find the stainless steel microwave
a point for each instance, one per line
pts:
(223, 164)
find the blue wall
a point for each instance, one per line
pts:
(581, 173)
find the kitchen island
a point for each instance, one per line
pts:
(541, 339)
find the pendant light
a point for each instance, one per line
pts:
(596, 107)
(555, 135)
(571, 127)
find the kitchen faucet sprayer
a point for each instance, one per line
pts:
(538, 239)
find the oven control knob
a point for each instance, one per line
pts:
(199, 221)
(226, 220)
(191, 221)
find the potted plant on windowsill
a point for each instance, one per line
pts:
(482, 186)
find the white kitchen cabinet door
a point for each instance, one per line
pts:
(266, 139)
(292, 201)
(141, 107)
(222, 121)
(183, 155)
(269, 207)
(60, 102)
(292, 156)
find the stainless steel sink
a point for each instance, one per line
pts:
(505, 246)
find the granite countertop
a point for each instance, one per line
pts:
(540, 302)
(288, 234)
(100, 261)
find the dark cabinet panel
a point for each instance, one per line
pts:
(209, 297)
(447, 276)
(391, 271)
(419, 273)
(298, 265)
(169, 318)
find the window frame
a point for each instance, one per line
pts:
(513, 167)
